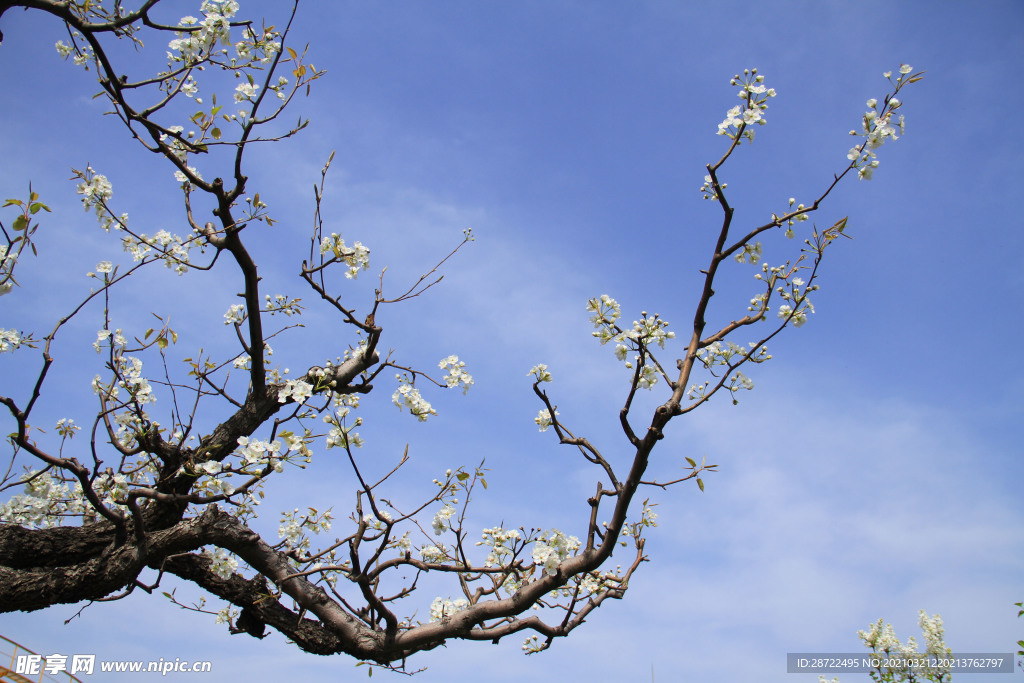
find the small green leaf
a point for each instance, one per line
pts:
(9, 202)
(34, 208)
(161, 342)
(292, 53)
(700, 483)
(20, 223)
(462, 476)
(693, 463)
(215, 133)
(148, 332)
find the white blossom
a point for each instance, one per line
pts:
(297, 390)
(440, 523)
(245, 91)
(456, 373)
(543, 419)
(222, 564)
(551, 548)
(235, 314)
(446, 607)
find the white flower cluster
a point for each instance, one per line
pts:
(235, 314)
(708, 188)
(441, 523)
(295, 389)
(172, 249)
(222, 564)
(551, 548)
(225, 615)
(258, 47)
(375, 522)
(408, 396)
(255, 452)
(647, 330)
(755, 97)
(501, 542)
(282, 304)
(112, 488)
(355, 257)
(66, 427)
(293, 527)
(798, 315)
(543, 419)
(118, 341)
(596, 582)
(433, 554)
(80, 56)
(751, 253)
(606, 311)
(194, 44)
(876, 127)
(245, 91)
(254, 455)
(446, 607)
(728, 354)
(45, 502)
(540, 372)
(11, 340)
(132, 380)
(96, 190)
(882, 639)
(7, 263)
(179, 149)
(796, 219)
(456, 374)
(340, 435)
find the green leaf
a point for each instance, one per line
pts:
(292, 53)
(215, 133)
(700, 483)
(20, 223)
(148, 332)
(161, 342)
(462, 476)
(693, 463)
(34, 208)
(9, 202)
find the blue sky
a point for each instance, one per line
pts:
(875, 469)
